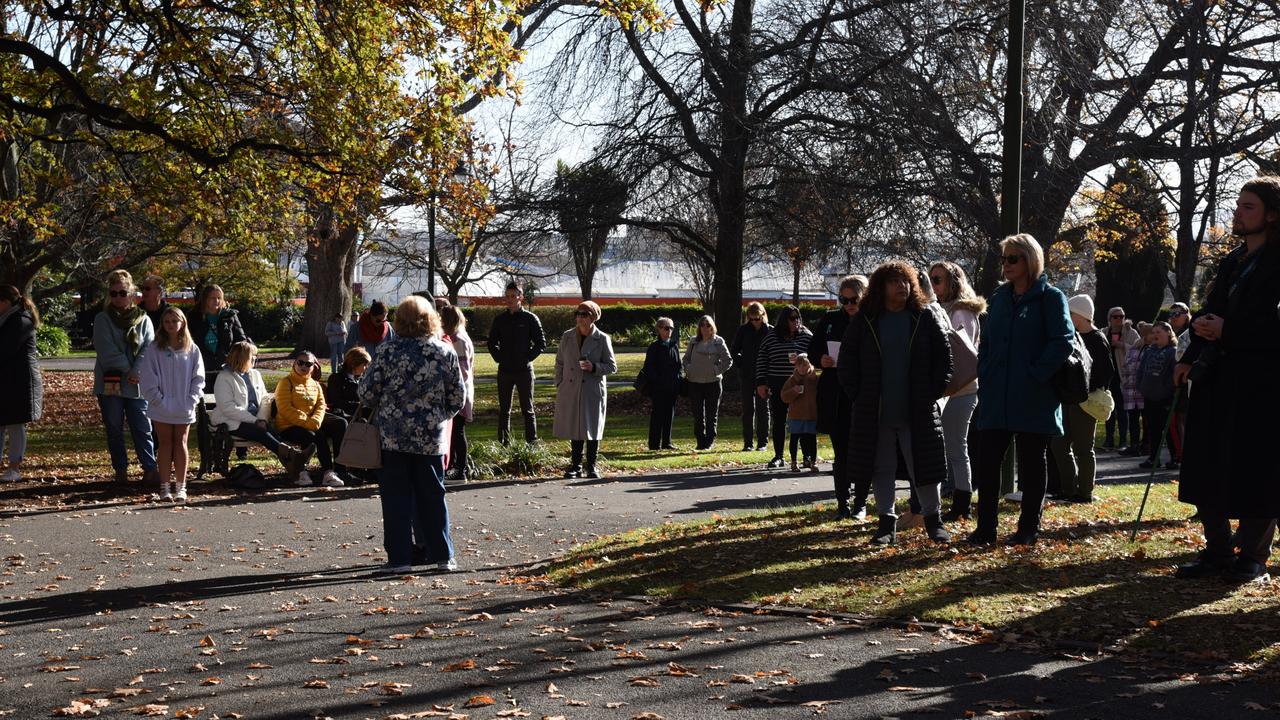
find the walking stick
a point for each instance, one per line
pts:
(1173, 407)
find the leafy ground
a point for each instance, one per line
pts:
(67, 460)
(1083, 581)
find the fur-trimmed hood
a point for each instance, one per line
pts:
(975, 305)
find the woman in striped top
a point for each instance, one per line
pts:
(774, 364)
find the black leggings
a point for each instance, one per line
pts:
(778, 415)
(1032, 469)
(458, 444)
(808, 443)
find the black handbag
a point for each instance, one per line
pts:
(1071, 381)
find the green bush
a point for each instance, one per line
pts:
(491, 460)
(275, 324)
(52, 341)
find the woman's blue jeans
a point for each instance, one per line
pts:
(115, 411)
(412, 491)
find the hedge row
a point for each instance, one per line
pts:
(264, 324)
(621, 318)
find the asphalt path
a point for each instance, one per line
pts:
(265, 608)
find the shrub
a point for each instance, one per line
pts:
(52, 341)
(276, 324)
(491, 459)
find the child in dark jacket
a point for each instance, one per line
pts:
(800, 393)
(1155, 382)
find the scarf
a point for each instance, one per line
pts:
(130, 322)
(371, 331)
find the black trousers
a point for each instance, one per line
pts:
(704, 401)
(1032, 469)
(1118, 416)
(458, 444)
(755, 415)
(662, 413)
(521, 381)
(839, 471)
(808, 443)
(778, 415)
(1254, 536)
(332, 430)
(576, 447)
(1155, 416)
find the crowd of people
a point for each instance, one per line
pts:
(912, 376)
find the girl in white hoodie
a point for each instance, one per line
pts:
(172, 381)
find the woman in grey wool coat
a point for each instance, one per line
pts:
(584, 360)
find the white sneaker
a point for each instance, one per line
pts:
(304, 479)
(447, 565)
(331, 479)
(11, 475)
(165, 495)
(181, 495)
(1014, 496)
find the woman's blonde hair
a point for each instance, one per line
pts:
(180, 340)
(1030, 249)
(240, 355)
(121, 277)
(416, 317)
(709, 322)
(957, 282)
(758, 309)
(356, 357)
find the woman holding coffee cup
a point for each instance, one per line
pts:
(584, 361)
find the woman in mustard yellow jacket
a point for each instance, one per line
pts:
(301, 419)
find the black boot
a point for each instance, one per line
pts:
(934, 529)
(842, 510)
(961, 503)
(886, 531)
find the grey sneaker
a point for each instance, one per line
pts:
(449, 565)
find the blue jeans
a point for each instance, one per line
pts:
(115, 411)
(335, 355)
(412, 491)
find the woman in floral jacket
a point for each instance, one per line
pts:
(415, 382)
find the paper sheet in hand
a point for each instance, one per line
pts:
(833, 349)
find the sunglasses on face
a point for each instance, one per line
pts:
(848, 300)
(304, 363)
(755, 319)
(1177, 313)
(1012, 259)
(1117, 317)
(119, 293)
(935, 279)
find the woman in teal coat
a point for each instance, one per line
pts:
(1027, 336)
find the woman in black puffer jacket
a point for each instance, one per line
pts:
(662, 371)
(894, 364)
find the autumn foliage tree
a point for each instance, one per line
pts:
(1134, 244)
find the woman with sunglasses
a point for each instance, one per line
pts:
(774, 364)
(705, 363)
(584, 360)
(1025, 340)
(301, 419)
(662, 383)
(122, 333)
(963, 307)
(834, 405)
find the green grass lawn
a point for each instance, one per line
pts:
(1083, 580)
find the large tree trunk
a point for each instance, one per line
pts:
(330, 270)
(729, 191)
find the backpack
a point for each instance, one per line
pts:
(247, 477)
(1071, 381)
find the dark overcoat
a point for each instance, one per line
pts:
(859, 370)
(1228, 457)
(21, 385)
(229, 332)
(833, 405)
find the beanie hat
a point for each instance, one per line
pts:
(1081, 305)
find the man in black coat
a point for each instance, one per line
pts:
(153, 301)
(895, 362)
(834, 406)
(1228, 462)
(745, 349)
(515, 341)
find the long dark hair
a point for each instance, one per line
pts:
(783, 328)
(15, 296)
(1267, 188)
(873, 303)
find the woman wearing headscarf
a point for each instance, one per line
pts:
(585, 359)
